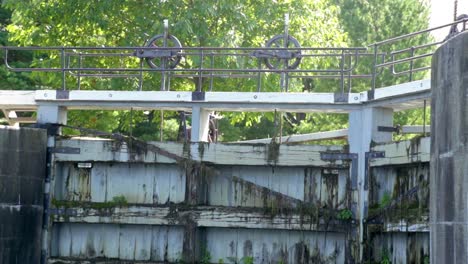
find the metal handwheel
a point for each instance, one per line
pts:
(280, 59)
(173, 57)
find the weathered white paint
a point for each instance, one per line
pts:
(402, 247)
(215, 153)
(416, 129)
(126, 242)
(404, 226)
(268, 246)
(138, 183)
(403, 152)
(14, 99)
(363, 130)
(202, 216)
(200, 125)
(248, 170)
(279, 187)
(221, 101)
(340, 133)
(51, 114)
(400, 89)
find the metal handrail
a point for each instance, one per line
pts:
(343, 61)
(65, 55)
(411, 50)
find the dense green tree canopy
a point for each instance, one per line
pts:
(315, 23)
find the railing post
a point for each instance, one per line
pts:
(200, 74)
(411, 65)
(374, 68)
(79, 71)
(62, 54)
(342, 72)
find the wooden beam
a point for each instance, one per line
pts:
(202, 216)
(416, 129)
(13, 100)
(403, 152)
(102, 150)
(334, 134)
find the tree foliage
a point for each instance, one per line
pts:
(195, 23)
(212, 23)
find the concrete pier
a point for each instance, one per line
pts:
(449, 153)
(22, 170)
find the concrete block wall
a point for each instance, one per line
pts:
(22, 173)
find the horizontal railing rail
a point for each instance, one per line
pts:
(205, 65)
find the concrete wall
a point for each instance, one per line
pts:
(22, 172)
(449, 179)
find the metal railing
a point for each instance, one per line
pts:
(203, 66)
(414, 53)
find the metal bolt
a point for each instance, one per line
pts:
(45, 94)
(110, 95)
(255, 96)
(355, 98)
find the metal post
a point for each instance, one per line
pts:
(342, 72)
(62, 54)
(200, 74)
(259, 76)
(211, 72)
(374, 69)
(163, 59)
(349, 73)
(140, 80)
(411, 65)
(284, 76)
(79, 71)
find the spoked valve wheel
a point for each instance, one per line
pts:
(289, 59)
(173, 58)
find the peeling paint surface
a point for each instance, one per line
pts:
(279, 246)
(256, 186)
(138, 206)
(138, 183)
(401, 248)
(127, 242)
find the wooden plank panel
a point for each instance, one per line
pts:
(101, 150)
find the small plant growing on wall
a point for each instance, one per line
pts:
(205, 257)
(119, 200)
(345, 215)
(247, 260)
(426, 259)
(385, 201)
(385, 257)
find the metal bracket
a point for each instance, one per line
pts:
(353, 157)
(64, 150)
(61, 211)
(281, 54)
(370, 95)
(155, 54)
(368, 156)
(198, 96)
(395, 129)
(341, 97)
(62, 94)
